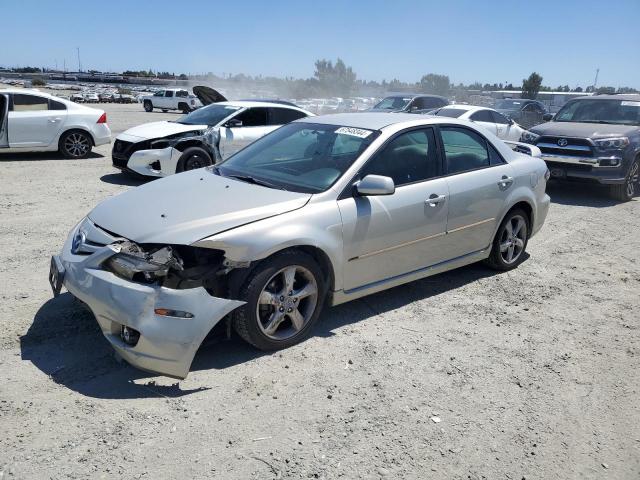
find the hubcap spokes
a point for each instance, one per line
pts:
(287, 302)
(512, 239)
(76, 144)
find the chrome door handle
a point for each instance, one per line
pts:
(434, 200)
(505, 182)
(54, 120)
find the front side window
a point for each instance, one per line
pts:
(408, 158)
(159, 94)
(464, 149)
(210, 115)
(253, 117)
(623, 112)
(482, 116)
(499, 118)
(282, 116)
(28, 103)
(301, 157)
(429, 102)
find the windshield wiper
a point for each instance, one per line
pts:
(256, 181)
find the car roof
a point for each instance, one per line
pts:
(634, 97)
(378, 120)
(413, 95)
(34, 91)
(466, 108)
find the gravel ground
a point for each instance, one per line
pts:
(529, 374)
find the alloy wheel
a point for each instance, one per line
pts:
(512, 239)
(287, 302)
(77, 145)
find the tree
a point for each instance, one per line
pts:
(435, 84)
(335, 79)
(531, 86)
(38, 82)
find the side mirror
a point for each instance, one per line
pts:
(233, 123)
(375, 185)
(547, 117)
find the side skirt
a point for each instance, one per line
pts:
(343, 296)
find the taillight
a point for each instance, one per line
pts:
(103, 118)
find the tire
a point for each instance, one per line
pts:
(164, 110)
(268, 279)
(148, 106)
(75, 144)
(631, 186)
(192, 158)
(510, 243)
(184, 107)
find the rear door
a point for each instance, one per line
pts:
(255, 124)
(479, 181)
(34, 121)
(485, 120)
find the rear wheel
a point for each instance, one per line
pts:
(192, 158)
(164, 110)
(148, 106)
(626, 191)
(75, 144)
(510, 242)
(284, 297)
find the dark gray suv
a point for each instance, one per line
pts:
(594, 139)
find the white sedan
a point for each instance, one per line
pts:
(203, 137)
(491, 120)
(33, 121)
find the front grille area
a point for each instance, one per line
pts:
(570, 167)
(122, 151)
(575, 147)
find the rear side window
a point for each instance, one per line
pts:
(464, 149)
(168, 93)
(182, 93)
(27, 103)
(482, 116)
(282, 116)
(494, 157)
(408, 158)
(253, 117)
(54, 105)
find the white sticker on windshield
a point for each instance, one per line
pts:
(630, 104)
(354, 132)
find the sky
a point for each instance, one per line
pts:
(490, 42)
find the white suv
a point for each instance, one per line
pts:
(171, 99)
(32, 121)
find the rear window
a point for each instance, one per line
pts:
(449, 112)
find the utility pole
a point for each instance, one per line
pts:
(595, 82)
(79, 64)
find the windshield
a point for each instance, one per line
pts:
(449, 112)
(210, 115)
(621, 112)
(509, 104)
(393, 103)
(300, 157)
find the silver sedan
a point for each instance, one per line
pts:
(322, 211)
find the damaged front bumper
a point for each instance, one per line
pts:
(166, 344)
(156, 162)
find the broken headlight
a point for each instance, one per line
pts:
(133, 263)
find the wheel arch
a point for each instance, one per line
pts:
(527, 208)
(76, 128)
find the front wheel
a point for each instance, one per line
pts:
(192, 158)
(75, 144)
(510, 242)
(148, 106)
(631, 185)
(284, 297)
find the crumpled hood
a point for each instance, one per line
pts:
(184, 208)
(582, 130)
(153, 130)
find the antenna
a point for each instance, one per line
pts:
(79, 64)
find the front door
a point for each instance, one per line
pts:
(387, 236)
(479, 182)
(31, 122)
(235, 136)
